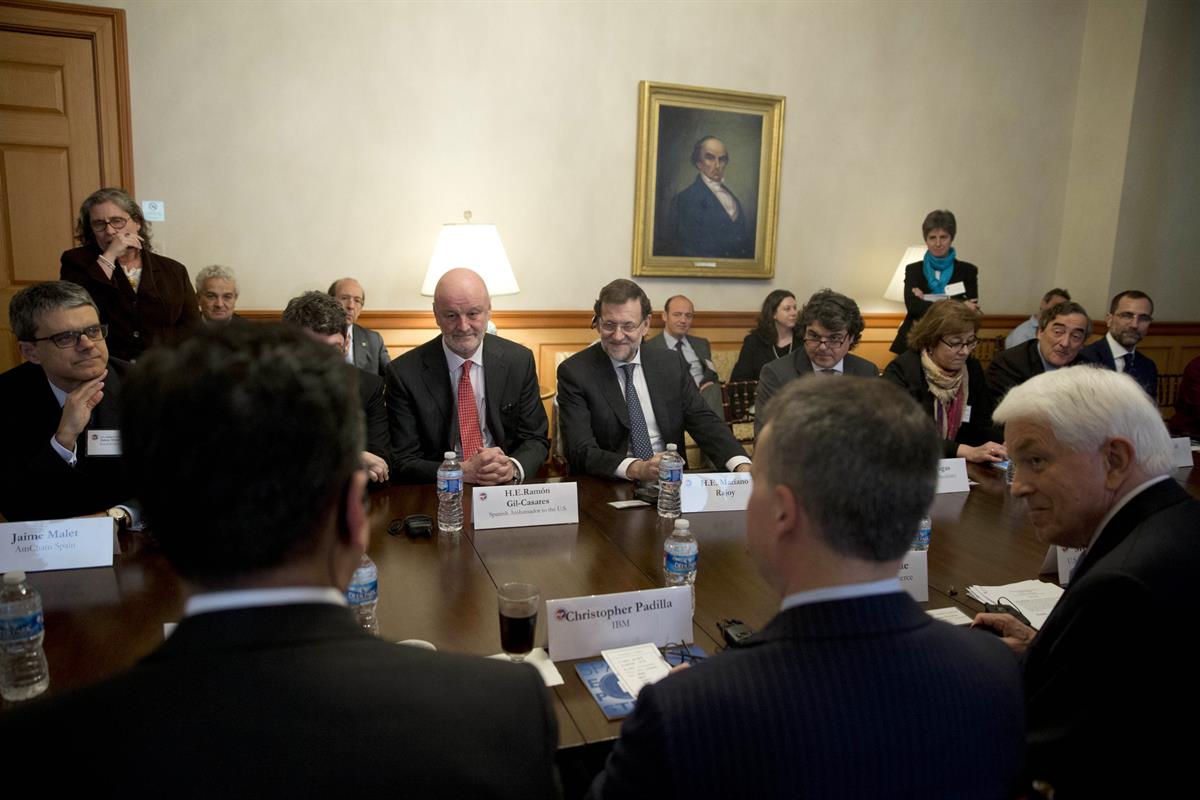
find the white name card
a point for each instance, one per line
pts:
(714, 491)
(56, 544)
(952, 475)
(914, 574)
(955, 289)
(579, 627)
(1067, 558)
(1181, 451)
(528, 504)
(103, 442)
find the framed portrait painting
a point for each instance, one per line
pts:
(707, 196)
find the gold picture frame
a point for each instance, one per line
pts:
(685, 223)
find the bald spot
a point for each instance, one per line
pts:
(461, 288)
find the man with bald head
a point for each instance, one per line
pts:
(467, 391)
(706, 220)
(365, 348)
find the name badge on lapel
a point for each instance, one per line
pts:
(103, 442)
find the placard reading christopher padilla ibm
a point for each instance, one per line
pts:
(530, 504)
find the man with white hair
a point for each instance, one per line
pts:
(1111, 668)
(217, 294)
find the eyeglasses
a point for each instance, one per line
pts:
(626, 328)
(836, 340)
(1129, 316)
(969, 345)
(71, 338)
(98, 225)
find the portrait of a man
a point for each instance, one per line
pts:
(708, 182)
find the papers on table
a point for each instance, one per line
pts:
(1034, 599)
(637, 665)
(537, 658)
(949, 614)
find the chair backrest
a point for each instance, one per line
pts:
(738, 399)
(1168, 388)
(987, 350)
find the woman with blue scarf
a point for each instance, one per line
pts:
(941, 273)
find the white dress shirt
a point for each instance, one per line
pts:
(455, 362)
(695, 365)
(207, 602)
(1118, 351)
(723, 195)
(845, 591)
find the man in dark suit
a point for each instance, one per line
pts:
(323, 319)
(217, 293)
(365, 347)
(832, 326)
(1062, 330)
(706, 220)
(60, 403)
(1110, 675)
(621, 404)
(1129, 316)
(851, 690)
(268, 687)
(501, 434)
(677, 316)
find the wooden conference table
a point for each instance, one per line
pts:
(443, 589)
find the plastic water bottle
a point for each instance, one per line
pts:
(23, 669)
(670, 476)
(924, 532)
(449, 491)
(680, 553)
(363, 595)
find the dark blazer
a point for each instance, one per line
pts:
(296, 701)
(905, 371)
(35, 482)
(424, 421)
(914, 277)
(371, 390)
(697, 226)
(711, 393)
(1014, 366)
(756, 353)
(163, 308)
(1111, 675)
(866, 697)
(370, 353)
(595, 419)
(782, 371)
(1143, 370)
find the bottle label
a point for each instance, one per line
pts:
(16, 629)
(681, 564)
(360, 593)
(673, 475)
(449, 485)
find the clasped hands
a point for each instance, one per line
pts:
(647, 469)
(489, 467)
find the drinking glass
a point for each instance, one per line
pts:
(518, 618)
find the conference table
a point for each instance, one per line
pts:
(443, 589)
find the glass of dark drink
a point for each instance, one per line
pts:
(518, 618)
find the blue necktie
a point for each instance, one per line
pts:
(639, 436)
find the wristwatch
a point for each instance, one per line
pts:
(120, 516)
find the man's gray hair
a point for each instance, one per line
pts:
(28, 305)
(861, 457)
(317, 312)
(218, 272)
(1085, 406)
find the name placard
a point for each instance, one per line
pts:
(1067, 558)
(914, 574)
(714, 491)
(579, 627)
(1181, 451)
(952, 475)
(56, 544)
(528, 504)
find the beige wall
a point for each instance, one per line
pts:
(301, 141)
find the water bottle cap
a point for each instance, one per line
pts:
(449, 455)
(14, 577)
(672, 447)
(682, 524)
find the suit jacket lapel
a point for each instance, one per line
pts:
(358, 340)
(656, 383)
(610, 387)
(1150, 500)
(435, 374)
(494, 374)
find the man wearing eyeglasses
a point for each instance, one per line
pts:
(832, 326)
(365, 347)
(62, 454)
(1129, 318)
(1062, 330)
(621, 404)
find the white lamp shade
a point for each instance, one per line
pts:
(477, 248)
(895, 289)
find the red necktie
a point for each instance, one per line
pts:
(468, 416)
